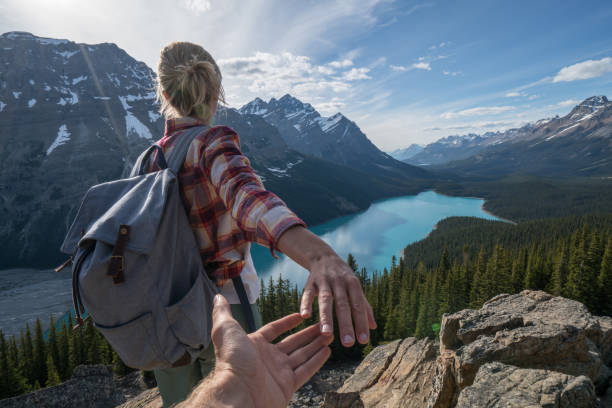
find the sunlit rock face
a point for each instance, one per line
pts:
(527, 349)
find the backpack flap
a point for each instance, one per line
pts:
(137, 202)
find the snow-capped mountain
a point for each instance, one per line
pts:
(584, 126)
(73, 115)
(578, 144)
(406, 153)
(334, 138)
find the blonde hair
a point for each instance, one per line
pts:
(188, 78)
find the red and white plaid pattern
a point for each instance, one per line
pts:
(227, 204)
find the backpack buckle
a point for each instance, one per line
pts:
(116, 264)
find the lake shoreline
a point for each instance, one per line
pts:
(482, 207)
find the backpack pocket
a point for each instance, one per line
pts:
(190, 318)
(135, 342)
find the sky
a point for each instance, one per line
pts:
(405, 71)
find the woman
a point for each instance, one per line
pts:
(229, 208)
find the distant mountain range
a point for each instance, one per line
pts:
(578, 144)
(406, 153)
(73, 115)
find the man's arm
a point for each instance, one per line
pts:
(250, 370)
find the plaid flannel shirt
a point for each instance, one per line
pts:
(227, 204)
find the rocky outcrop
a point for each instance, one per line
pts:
(527, 349)
(498, 384)
(90, 386)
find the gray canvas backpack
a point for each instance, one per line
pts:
(136, 266)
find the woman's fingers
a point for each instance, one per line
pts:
(371, 320)
(343, 314)
(303, 354)
(307, 298)
(359, 310)
(326, 304)
(289, 344)
(274, 329)
(311, 366)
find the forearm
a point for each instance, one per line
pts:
(304, 247)
(217, 390)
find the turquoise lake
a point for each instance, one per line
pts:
(376, 234)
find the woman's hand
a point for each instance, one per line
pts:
(333, 282)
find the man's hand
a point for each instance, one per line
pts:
(250, 370)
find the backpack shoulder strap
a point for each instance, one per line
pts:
(178, 154)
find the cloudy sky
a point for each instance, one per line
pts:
(405, 71)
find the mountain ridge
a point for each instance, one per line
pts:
(74, 115)
(572, 140)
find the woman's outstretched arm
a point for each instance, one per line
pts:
(333, 282)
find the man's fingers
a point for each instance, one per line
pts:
(326, 303)
(223, 322)
(307, 298)
(311, 366)
(343, 314)
(359, 310)
(274, 329)
(295, 341)
(299, 356)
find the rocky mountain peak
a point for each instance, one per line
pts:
(589, 107)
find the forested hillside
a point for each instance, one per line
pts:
(522, 198)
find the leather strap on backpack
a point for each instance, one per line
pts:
(244, 301)
(116, 265)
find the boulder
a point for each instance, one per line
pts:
(398, 374)
(533, 330)
(526, 349)
(498, 384)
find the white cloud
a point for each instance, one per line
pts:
(451, 73)
(584, 70)
(356, 73)
(341, 64)
(568, 102)
(532, 97)
(478, 111)
(418, 65)
(268, 75)
(197, 6)
(422, 65)
(400, 68)
(514, 94)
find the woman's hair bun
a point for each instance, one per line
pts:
(190, 78)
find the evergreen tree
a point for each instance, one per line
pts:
(11, 381)
(480, 284)
(27, 355)
(53, 377)
(52, 345)
(63, 365)
(40, 355)
(352, 263)
(605, 281)
(560, 272)
(582, 282)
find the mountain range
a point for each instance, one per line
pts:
(73, 115)
(577, 144)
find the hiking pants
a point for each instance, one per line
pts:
(175, 384)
